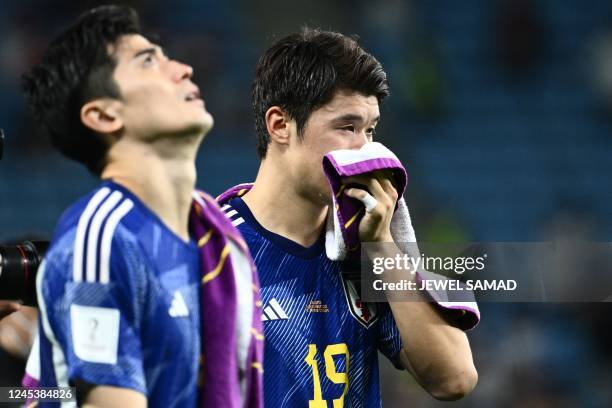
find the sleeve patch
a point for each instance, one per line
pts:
(95, 333)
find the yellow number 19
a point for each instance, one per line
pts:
(330, 370)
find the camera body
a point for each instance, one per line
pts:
(18, 266)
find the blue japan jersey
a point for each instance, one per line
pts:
(119, 301)
(321, 341)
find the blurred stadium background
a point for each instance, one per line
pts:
(501, 111)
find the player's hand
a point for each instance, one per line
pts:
(6, 308)
(375, 226)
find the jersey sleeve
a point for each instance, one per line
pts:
(90, 302)
(389, 340)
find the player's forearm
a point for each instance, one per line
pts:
(436, 353)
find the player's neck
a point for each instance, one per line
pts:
(278, 207)
(163, 184)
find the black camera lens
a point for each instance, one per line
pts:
(18, 266)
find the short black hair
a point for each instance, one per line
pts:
(303, 71)
(77, 67)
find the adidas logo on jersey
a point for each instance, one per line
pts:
(273, 311)
(179, 307)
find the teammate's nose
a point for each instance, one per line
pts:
(181, 71)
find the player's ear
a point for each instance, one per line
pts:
(102, 115)
(278, 124)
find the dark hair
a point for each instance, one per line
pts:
(302, 72)
(77, 68)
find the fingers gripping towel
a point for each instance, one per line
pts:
(342, 232)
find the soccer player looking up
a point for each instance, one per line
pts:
(123, 292)
(314, 92)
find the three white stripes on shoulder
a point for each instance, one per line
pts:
(98, 223)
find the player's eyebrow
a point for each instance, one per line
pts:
(352, 117)
(149, 51)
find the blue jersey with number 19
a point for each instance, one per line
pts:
(119, 301)
(321, 341)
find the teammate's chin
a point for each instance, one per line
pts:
(204, 123)
(208, 122)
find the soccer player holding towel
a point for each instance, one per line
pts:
(315, 92)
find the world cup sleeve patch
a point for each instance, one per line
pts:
(95, 333)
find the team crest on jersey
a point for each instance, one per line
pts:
(365, 313)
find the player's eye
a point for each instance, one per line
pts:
(148, 60)
(348, 128)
